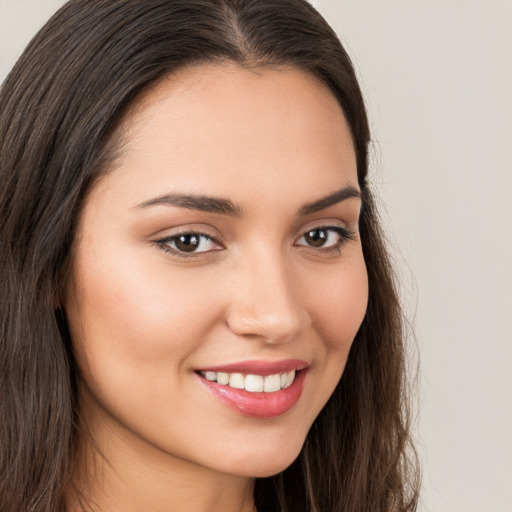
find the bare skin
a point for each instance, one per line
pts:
(159, 291)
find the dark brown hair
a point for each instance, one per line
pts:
(58, 109)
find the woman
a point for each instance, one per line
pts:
(190, 250)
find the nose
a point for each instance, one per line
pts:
(266, 304)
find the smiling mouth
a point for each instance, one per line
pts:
(260, 389)
(250, 382)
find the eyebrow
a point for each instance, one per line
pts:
(330, 200)
(195, 202)
(226, 207)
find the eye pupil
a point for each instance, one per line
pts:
(187, 243)
(316, 237)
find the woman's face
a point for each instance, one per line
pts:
(223, 247)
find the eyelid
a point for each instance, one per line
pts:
(163, 242)
(198, 228)
(344, 233)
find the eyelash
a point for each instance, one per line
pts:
(165, 243)
(344, 235)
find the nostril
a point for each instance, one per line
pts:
(273, 328)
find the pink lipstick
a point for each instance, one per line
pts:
(261, 389)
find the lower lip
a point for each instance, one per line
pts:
(258, 405)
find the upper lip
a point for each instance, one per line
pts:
(259, 367)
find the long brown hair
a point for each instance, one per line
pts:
(58, 109)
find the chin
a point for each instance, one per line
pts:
(265, 469)
(268, 461)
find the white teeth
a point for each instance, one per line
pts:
(252, 383)
(222, 378)
(289, 378)
(272, 383)
(236, 380)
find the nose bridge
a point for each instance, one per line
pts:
(267, 303)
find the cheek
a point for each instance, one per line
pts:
(340, 306)
(130, 318)
(338, 300)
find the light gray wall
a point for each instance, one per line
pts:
(437, 75)
(438, 78)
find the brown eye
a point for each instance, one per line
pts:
(187, 243)
(325, 238)
(316, 237)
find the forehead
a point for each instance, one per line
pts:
(227, 83)
(215, 124)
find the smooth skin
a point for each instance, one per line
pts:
(270, 280)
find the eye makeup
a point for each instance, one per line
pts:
(326, 238)
(190, 243)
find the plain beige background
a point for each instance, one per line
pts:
(437, 76)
